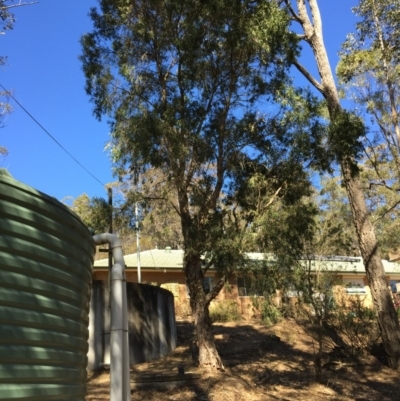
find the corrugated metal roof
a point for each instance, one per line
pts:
(173, 259)
(350, 265)
(355, 265)
(152, 259)
(391, 267)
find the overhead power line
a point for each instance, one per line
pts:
(51, 136)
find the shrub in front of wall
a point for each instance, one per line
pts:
(225, 311)
(268, 312)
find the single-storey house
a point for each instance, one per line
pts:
(164, 267)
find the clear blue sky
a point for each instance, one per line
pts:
(45, 76)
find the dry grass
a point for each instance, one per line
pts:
(262, 364)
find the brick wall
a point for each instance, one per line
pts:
(175, 282)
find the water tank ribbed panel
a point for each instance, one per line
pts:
(46, 258)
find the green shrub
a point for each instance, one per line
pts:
(225, 311)
(356, 324)
(267, 311)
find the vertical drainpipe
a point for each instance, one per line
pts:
(136, 183)
(125, 327)
(139, 273)
(119, 344)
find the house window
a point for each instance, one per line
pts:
(395, 286)
(241, 284)
(208, 284)
(248, 287)
(354, 286)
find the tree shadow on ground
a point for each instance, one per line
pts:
(244, 344)
(265, 364)
(269, 360)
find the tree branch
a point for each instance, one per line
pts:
(292, 12)
(215, 291)
(308, 76)
(373, 158)
(208, 265)
(304, 18)
(20, 4)
(273, 197)
(384, 185)
(316, 16)
(387, 211)
(175, 208)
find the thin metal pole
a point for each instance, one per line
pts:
(110, 227)
(110, 255)
(139, 273)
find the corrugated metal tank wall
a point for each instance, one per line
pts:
(46, 258)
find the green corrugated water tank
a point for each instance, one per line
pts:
(46, 258)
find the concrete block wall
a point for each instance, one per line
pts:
(152, 329)
(151, 320)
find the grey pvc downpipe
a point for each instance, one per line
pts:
(119, 344)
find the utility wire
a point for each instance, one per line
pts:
(51, 136)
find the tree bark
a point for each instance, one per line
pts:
(386, 314)
(199, 300)
(208, 354)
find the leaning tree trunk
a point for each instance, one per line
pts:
(208, 354)
(387, 319)
(386, 314)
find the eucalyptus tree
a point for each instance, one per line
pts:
(335, 233)
(150, 199)
(370, 75)
(7, 18)
(7, 22)
(94, 212)
(186, 86)
(99, 216)
(345, 133)
(369, 66)
(379, 175)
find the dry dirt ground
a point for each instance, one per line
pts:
(262, 364)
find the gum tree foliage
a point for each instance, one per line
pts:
(379, 173)
(369, 66)
(335, 233)
(94, 212)
(186, 86)
(346, 131)
(370, 74)
(7, 17)
(159, 224)
(6, 23)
